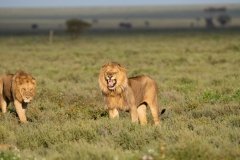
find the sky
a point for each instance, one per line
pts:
(96, 3)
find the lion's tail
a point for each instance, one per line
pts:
(162, 112)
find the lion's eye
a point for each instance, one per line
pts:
(31, 90)
(23, 89)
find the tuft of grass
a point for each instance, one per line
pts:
(9, 155)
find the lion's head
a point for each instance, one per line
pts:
(24, 87)
(112, 77)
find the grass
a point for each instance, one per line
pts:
(198, 79)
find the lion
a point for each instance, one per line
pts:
(128, 94)
(19, 88)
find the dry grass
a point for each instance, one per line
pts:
(198, 78)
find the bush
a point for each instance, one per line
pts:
(75, 26)
(224, 19)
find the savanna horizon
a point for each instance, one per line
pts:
(34, 20)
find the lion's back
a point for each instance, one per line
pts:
(143, 81)
(144, 88)
(6, 83)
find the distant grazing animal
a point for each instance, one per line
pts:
(125, 25)
(128, 94)
(19, 88)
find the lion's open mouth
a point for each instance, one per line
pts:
(26, 100)
(111, 83)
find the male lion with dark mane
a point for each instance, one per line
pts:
(19, 88)
(128, 94)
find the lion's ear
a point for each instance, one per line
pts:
(123, 69)
(104, 66)
(117, 64)
(33, 80)
(18, 80)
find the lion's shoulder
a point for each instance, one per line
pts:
(6, 85)
(6, 78)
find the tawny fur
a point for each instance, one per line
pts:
(19, 88)
(129, 94)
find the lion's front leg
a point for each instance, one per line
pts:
(21, 111)
(113, 113)
(142, 114)
(134, 114)
(3, 104)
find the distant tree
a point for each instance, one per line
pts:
(209, 23)
(223, 19)
(212, 12)
(75, 27)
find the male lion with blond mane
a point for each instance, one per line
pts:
(19, 88)
(128, 94)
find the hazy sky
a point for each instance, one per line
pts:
(81, 3)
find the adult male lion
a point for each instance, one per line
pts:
(19, 88)
(128, 94)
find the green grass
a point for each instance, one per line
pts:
(198, 79)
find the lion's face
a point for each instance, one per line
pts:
(27, 88)
(112, 76)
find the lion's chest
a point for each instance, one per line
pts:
(118, 101)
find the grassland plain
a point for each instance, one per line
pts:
(199, 84)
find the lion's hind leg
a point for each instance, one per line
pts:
(142, 113)
(155, 112)
(3, 103)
